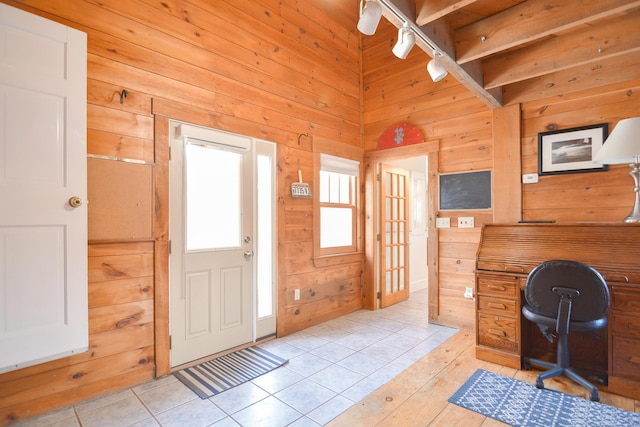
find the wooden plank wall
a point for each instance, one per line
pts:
(269, 69)
(401, 91)
(581, 197)
(397, 91)
(121, 344)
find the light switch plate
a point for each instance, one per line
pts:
(443, 222)
(529, 178)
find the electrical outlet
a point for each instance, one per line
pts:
(529, 178)
(296, 294)
(468, 292)
(443, 222)
(465, 222)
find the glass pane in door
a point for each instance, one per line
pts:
(212, 197)
(264, 240)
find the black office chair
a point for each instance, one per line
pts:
(568, 296)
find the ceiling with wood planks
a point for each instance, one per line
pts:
(510, 51)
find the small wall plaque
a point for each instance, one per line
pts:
(299, 189)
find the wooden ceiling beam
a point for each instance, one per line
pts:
(437, 35)
(591, 44)
(530, 21)
(616, 69)
(431, 10)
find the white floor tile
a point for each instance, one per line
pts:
(331, 367)
(362, 363)
(328, 411)
(333, 352)
(167, 396)
(196, 413)
(305, 395)
(278, 379)
(269, 412)
(239, 397)
(118, 413)
(307, 364)
(336, 378)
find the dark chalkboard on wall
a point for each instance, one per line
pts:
(467, 190)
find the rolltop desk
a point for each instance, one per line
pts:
(508, 252)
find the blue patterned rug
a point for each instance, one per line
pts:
(521, 404)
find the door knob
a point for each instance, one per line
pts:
(75, 202)
(248, 255)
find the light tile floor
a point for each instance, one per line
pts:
(331, 367)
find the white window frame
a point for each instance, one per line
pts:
(344, 166)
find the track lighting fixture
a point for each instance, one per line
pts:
(370, 14)
(406, 40)
(436, 69)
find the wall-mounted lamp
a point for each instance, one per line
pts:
(406, 40)
(370, 14)
(623, 146)
(436, 69)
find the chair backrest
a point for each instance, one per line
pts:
(591, 304)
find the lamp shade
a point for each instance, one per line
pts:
(436, 69)
(370, 16)
(405, 42)
(622, 145)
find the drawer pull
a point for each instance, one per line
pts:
(497, 306)
(635, 360)
(496, 287)
(616, 278)
(497, 332)
(633, 326)
(514, 269)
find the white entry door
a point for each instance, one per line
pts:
(211, 267)
(43, 185)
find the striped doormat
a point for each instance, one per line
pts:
(215, 376)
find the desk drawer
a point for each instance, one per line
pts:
(626, 300)
(498, 332)
(625, 324)
(498, 306)
(626, 358)
(500, 286)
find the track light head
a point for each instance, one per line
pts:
(406, 40)
(436, 69)
(370, 15)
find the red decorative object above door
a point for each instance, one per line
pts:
(400, 135)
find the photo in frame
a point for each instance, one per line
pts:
(571, 150)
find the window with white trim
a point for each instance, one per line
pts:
(338, 204)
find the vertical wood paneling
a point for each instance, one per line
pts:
(397, 91)
(507, 205)
(267, 69)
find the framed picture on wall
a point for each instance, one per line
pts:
(571, 150)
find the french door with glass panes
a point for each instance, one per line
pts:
(394, 232)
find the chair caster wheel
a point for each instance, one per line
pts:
(526, 366)
(594, 397)
(539, 384)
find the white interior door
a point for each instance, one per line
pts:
(211, 262)
(43, 230)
